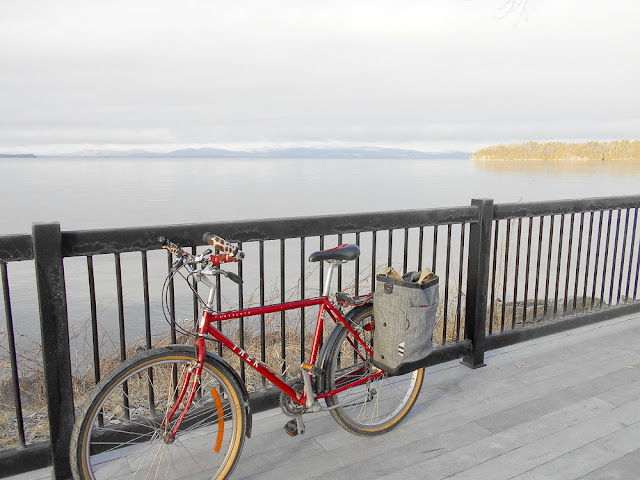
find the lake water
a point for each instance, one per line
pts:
(99, 193)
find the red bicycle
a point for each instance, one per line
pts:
(180, 411)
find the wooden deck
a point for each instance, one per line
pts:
(564, 407)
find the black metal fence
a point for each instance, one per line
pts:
(508, 273)
(556, 265)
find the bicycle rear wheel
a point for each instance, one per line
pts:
(380, 404)
(120, 433)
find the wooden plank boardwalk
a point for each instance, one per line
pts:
(566, 406)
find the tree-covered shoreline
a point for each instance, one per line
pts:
(615, 150)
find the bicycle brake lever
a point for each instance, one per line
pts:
(230, 275)
(233, 277)
(178, 262)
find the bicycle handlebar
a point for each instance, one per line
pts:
(230, 253)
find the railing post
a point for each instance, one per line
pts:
(478, 282)
(52, 299)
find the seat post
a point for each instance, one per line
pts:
(327, 283)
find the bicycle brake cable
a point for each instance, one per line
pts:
(166, 308)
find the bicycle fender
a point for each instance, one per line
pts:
(224, 365)
(323, 356)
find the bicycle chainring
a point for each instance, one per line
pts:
(290, 407)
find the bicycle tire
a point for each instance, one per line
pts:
(377, 406)
(107, 444)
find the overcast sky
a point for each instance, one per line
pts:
(430, 75)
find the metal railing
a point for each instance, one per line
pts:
(556, 265)
(507, 272)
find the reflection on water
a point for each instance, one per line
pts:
(617, 168)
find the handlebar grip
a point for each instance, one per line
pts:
(166, 244)
(222, 245)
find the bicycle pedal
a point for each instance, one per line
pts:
(294, 427)
(291, 427)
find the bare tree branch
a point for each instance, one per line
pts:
(514, 7)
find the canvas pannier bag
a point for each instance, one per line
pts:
(405, 315)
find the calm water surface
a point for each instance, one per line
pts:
(97, 193)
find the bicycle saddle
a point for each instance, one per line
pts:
(342, 253)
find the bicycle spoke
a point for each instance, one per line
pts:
(371, 403)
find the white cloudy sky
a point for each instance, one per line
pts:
(431, 74)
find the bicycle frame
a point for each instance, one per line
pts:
(264, 369)
(206, 327)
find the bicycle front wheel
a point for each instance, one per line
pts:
(123, 430)
(378, 405)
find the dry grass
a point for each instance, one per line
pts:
(33, 397)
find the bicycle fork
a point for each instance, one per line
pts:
(195, 371)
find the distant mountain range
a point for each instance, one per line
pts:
(292, 153)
